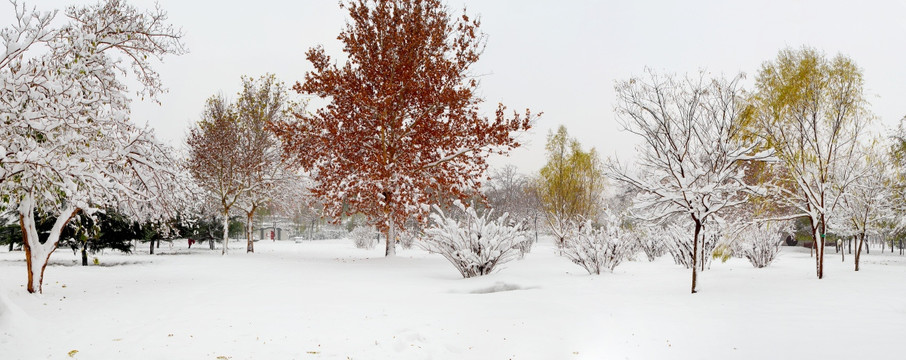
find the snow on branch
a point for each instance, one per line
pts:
(601, 248)
(760, 243)
(474, 244)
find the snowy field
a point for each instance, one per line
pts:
(329, 300)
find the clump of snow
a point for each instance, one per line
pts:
(497, 287)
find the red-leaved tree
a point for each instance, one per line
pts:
(403, 123)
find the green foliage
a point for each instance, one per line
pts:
(569, 186)
(723, 252)
(108, 229)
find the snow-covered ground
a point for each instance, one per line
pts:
(329, 300)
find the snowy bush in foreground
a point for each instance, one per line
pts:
(364, 237)
(678, 242)
(475, 244)
(597, 249)
(760, 243)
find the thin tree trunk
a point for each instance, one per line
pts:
(391, 240)
(250, 248)
(859, 249)
(226, 232)
(868, 247)
(698, 226)
(818, 237)
(85, 253)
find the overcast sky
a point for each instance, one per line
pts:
(559, 57)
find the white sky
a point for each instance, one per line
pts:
(559, 57)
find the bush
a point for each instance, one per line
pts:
(650, 245)
(475, 245)
(602, 248)
(364, 237)
(761, 243)
(408, 237)
(678, 242)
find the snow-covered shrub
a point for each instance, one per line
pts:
(602, 248)
(364, 237)
(474, 244)
(652, 246)
(525, 247)
(760, 243)
(678, 242)
(408, 237)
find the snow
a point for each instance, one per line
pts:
(329, 300)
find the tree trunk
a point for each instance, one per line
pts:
(868, 247)
(818, 233)
(85, 253)
(859, 249)
(151, 247)
(37, 254)
(250, 248)
(226, 233)
(698, 226)
(391, 240)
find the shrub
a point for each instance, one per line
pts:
(678, 242)
(652, 246)
(602, 248)
(364, 237)
(761, 243)
(474, 244)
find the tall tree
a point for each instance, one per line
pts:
(867, 204)
(811, 111)
(570, 185)
(690, 166)
(68, 144)
(403, 122)
(218, 160)
(262, 102)
(508, 191)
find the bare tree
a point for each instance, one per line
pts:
(690, 165)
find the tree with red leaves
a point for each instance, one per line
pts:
(403, 123)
